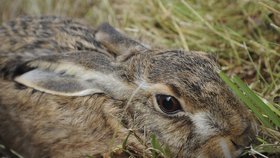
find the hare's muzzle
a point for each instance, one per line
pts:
(246, 138)
(229, 146)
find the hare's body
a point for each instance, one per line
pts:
(67, 90)
(60, 131)
(41, 124)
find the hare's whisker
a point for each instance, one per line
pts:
(133, 95)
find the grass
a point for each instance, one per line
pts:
(267, 114)
(243, 34)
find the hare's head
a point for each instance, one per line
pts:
(189, 107)
(176, 95)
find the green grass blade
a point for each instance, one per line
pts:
(246, 100)
(273, 108)
(155, 145)
(257, 101)
(126, 139)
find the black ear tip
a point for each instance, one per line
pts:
(106, 27)
(213, 56)
(14, 68)
(21, 69)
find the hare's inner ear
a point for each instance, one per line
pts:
(68, 79)
(117, 43)
(57, 84)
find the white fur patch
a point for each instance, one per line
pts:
(143, 84)
(225, 148)
(202, 125)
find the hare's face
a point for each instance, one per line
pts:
(190, 108)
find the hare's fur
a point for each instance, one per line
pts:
(67, 90)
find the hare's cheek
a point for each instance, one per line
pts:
(172, 132)
(203, 125)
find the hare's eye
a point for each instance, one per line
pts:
(168, 104)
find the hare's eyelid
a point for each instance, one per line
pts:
(175, 89)
(158, 88)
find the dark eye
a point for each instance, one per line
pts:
(168, 104)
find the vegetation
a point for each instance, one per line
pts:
(266, 113)
(243, 34)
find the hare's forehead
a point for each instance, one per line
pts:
(174, 62)
(188, 74)
(183, 68)
(190, 85)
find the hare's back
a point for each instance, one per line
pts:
(28, 38)
(47, 32)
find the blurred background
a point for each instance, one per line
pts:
(243, 34)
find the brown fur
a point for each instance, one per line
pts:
(45, 118)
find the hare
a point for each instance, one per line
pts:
(68, 90)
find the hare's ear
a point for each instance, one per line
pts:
(117, 43)
(57, 84)
(70, 79)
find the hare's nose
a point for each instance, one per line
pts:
(246, 137)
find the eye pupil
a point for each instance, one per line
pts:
(168, 104)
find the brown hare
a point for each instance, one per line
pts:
(67, 90)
